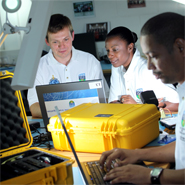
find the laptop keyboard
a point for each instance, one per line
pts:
(97, 173)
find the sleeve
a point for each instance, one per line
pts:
(117, 85)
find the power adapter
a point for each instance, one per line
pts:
(34, 125)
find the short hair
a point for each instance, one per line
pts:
(124, 33)
(165, 28)
(58, 22)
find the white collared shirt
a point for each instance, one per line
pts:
(81, 66)
(180, 130)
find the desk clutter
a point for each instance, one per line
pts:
(20, 163)
(98, 127)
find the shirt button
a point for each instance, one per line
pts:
(66, 69)
(127, 89)
(183, 98)
(67, 77)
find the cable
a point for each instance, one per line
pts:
(42, 139)
(168, 111)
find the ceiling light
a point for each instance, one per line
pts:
(180, 1)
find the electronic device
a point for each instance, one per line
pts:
(155, 175)
(68, 95)
(85, 42)
(169, 123)
(34, 125)
(149, 98)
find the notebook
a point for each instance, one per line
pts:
(90, 171)
(68, 95)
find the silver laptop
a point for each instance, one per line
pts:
(68, 95)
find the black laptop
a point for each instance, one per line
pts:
(90, 171)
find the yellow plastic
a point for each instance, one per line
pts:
(60, 173)
(130, 127)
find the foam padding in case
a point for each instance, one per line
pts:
(11, 124)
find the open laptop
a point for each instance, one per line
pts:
(90, 171)
(68, 95)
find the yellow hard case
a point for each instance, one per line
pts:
(100, 127)
(14, 169)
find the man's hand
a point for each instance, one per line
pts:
(120, 156)
(129, 173)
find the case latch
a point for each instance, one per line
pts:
(48, 180)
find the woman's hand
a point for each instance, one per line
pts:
(127, 99)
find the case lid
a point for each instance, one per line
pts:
(15, 130)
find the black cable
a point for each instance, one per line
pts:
(42, 139)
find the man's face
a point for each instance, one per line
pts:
(61, 44)
(165, 66)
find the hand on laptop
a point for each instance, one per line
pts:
(129, 173)
(125, 168)
(120, 156)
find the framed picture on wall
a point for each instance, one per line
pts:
(83, 8)
(136, 3)
(100, 30)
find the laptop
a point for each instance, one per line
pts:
(90, 171)
(68, 95)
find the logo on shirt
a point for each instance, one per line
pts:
(183, 119)
(138, 92)
(54, 80)
(81, 77)
(71, 103)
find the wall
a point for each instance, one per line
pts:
(114, 11)
(118, 14)
(10, 48)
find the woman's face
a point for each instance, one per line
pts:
(119, 52)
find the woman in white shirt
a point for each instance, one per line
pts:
(130, 76)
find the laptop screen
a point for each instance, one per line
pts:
(68, 99)
(68, 95)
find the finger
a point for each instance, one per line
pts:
(104, 157)
(123, 99)
(112, 157)
(123, 96)
(160, 99)
(118, 180)
(114, 175)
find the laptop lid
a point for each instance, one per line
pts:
(68, 95)
(71, 145)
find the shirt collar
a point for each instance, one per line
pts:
(181, 89)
